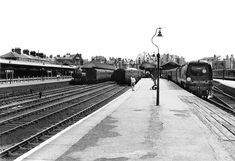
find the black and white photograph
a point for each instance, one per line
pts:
(117, 80)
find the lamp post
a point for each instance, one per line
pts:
(158, 30)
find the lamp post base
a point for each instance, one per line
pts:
(154, 87)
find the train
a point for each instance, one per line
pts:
(92, 72)
(93, 75)
(195, 76)
(228, 74)
(123, 76)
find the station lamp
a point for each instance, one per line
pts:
(158, 33)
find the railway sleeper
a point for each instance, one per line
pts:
(33, 144)
(19, 122)
(13, 154)
(16, 123)
(9, 125)
(45, 137)
(24, 148)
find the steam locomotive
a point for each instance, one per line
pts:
(195, 77)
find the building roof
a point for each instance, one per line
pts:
(98, 65)
(14, 55)
(68, 57)
(38, 64)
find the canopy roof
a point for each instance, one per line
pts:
(169, 65)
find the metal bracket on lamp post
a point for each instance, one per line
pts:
(158, 64)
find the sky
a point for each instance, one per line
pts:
(119, 28)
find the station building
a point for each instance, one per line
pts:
(31, 65)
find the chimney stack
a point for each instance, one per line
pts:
(26, 51)
(33, 53)
(18, 50)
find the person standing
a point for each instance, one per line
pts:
(132, 83)
(40, 94)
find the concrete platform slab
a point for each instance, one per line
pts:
(132, 128)
(230, 83)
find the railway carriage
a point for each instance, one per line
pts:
(133, 72)
(93, 72)
(98, 75)
(122, 76)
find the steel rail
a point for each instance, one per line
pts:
(227, 108)
(47, 92)
(12, 149)
(44, 108)
(47, 100)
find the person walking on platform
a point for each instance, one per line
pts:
(40, 94)
(133, 83)
(154, 82)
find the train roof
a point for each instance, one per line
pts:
(199, 61)
(146, 65)
(131, 69)
(98, 65)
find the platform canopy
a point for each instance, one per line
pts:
(169, 65)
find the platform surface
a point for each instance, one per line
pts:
(133, 128)
(26, 83)
(230, 83)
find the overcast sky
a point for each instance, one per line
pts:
(119, 28)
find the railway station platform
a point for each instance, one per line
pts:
(230, 83)
(133, 128)
(32, 82)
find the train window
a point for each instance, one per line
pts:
(198, 70)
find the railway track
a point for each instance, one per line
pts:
(46, 99)
(223, 100)
(217, 112)
(34, 95)
(10, 94)
(11, 122)
(19, 128)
